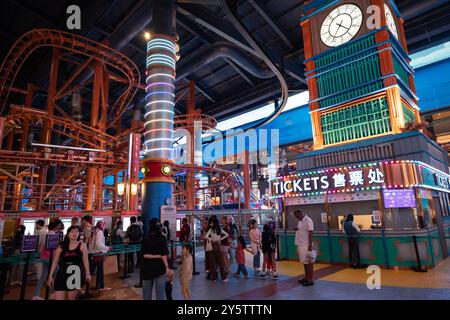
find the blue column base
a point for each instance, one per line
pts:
(154, 195)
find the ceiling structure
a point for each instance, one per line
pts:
(232, 80)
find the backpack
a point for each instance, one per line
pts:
(115, 238)
(135, 233)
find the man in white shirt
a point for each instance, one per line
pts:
(303, 241)
(351, 229)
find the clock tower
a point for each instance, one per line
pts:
(357, 67)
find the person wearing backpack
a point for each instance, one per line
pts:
(135, 236)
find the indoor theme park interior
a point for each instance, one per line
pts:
(223, 150)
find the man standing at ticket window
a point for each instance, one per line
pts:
(303, 241)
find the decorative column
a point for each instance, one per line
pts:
(158, 183)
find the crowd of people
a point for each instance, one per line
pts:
(84, 247)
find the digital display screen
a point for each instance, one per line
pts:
(399, 198)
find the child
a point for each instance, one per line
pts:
(268, 248)
(255, 245)
(240, 257)
(186, 271)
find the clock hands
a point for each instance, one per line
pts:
(341, 25)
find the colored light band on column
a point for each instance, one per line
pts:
(159, 75)
(159, 92)
(159, 110)
(158, 120)
(157, 149)
(159, 43)
(160, 84)
(157, 139)
(159, 56)
(160, 101)
(161, 62)
(153, 130)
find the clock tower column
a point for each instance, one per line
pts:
(360, 82)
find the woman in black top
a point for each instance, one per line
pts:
(268, 248)
(73, 273)
(156, 266)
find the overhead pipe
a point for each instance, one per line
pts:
(124, 33)
(235, 21)
(223, 50)
(421, 8)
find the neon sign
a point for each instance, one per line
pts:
(368, 176)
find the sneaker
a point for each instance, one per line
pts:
(274, 276)
(225, 280)
(301, 281)
(37, 298)
(237, 275)
(308, 283)
(246, 276)
(104, 289)
(262, 275)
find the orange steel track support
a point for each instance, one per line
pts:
(38, 38)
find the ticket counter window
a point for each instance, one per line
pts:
(30, 226)
(361, 210)
(67, 222)
(126, 223)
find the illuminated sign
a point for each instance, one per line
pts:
(369, 176)
(329, 180)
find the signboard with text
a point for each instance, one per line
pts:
(362, 177)
(30, 243)
(52, 241)
(169, 213)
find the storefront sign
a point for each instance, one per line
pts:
(329, 180)
(363, 177)
(442, 181)
(30, 243)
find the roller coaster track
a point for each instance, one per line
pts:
(38, 38)
(70, 128)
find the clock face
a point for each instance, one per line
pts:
(341, 25)
(390, 21)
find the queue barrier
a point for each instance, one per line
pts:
(32, 258)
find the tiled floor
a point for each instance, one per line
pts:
(332, 282)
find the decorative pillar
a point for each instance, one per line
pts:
(2, 130)
(157, 188)
(133, 168)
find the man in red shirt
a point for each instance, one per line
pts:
(185, 231)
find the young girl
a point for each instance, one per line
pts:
(186, 271)
(240, 257)
(71, 254)
(268, 248)
(255, 245)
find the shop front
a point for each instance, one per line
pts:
(395, 203)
